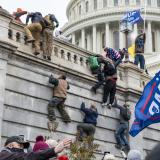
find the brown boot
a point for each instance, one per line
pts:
(30, 40)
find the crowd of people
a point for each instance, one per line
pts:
(105, 68)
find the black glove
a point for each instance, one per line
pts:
(57, 25)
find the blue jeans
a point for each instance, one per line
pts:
(120, 134)
(139, 58)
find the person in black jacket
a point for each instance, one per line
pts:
(14, 146)
(125, 115)
(87, 128)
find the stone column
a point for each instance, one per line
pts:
(73, 38)
(157, 40)
(121, 40)
(83, 7)
(94, 38)
(89, 42)
(135, 30)
(83, 38)
(149, 38)
(107, 34)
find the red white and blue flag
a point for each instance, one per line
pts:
(147, 110)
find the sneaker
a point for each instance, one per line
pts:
(93, 90)
(30, 40)
(104, 104)
(50, 127)
(109, 106)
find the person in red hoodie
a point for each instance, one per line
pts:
(18, 14)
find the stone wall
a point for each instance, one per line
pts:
(25, 92)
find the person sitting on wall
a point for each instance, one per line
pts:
(125, 116)
(59, 96)
(87, 128)
(51, 22)
(33, 30)
(18, 14)
(58, 34)
(15, 145)
(139, 50)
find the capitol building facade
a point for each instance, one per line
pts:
(95, 24)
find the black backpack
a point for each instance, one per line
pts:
(126, 114)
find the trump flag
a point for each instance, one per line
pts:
(133, 16)
(147, 110)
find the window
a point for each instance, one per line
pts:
(126, 2)
(104, 3)
(149, 2)
(87, 5)
(115, 2)
(80, 10)
(95, 4)
(158, 3)
(138, 2)
(116, 40)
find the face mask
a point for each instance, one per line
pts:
(17, 150)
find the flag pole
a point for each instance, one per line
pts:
(145, 12)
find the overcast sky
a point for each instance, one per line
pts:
(57, 7)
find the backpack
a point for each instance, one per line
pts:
(109, 69)
(48, 22)
(126, 114)
(93, 62)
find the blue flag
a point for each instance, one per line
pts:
(147, 110)
(133, 17)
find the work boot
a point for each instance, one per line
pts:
(36, 53)
(30, 40)
(50, 127)
(109, 106)
(67, 120)
(45, 57)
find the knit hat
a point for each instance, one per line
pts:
(52, 143)
(40, 144)
(134, 155)
(109, 157)
(64, 157)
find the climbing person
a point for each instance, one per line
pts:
(18, 14)
(139, 50)
(58, 34)
(51, 23)
(33, 30)
(59, 96)
(125, 116)
(110, 80)
(88, 127)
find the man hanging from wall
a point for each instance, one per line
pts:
(50, 21)
(59, 96)
(139, 50)
(58, 34)
(125, 115)
(33, 30)
(87, 128)
(18, 14)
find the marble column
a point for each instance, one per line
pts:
(121, 40)
(73, 38)
(89, 48)
(94, 38)
(83, 38)
(149, 37)
(157, 40)
(107, 34)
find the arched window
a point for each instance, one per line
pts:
(115, 2)
(87, 6)
(104, 3)
(153, 42)
(95, 4)
(80, 10)
(138, 2)
(158, 3)
(116, 40)
(149, 2)
(126, 2)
